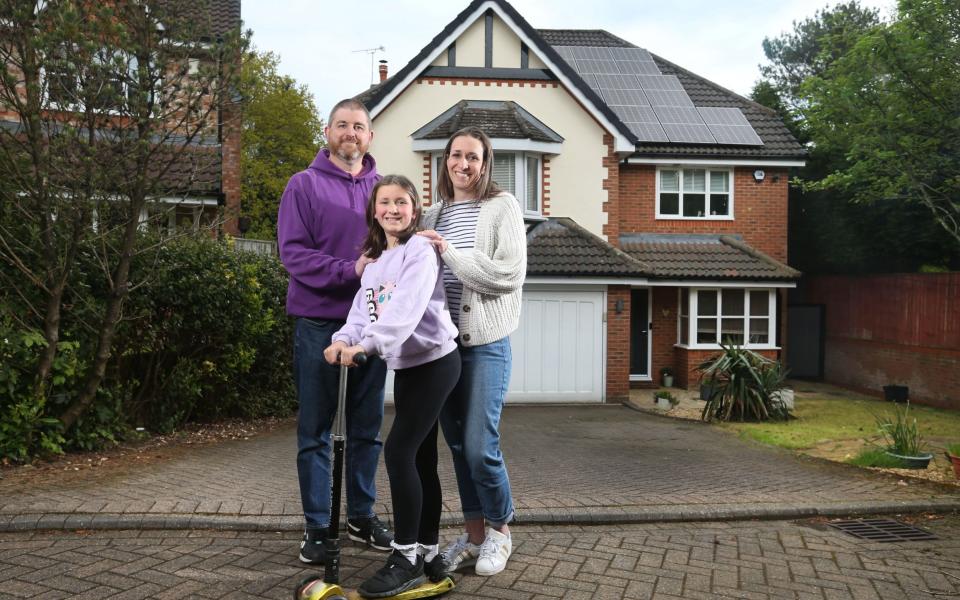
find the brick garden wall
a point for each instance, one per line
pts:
(892, 329)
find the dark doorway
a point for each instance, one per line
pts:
(805, 340)
(639, 333)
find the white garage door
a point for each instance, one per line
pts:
(558, 350)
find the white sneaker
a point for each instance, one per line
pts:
(494, 553)
(461, 553)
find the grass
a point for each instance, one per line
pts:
(824, 418)
(875, 457)
(954, 449)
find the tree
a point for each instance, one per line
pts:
(282, 134)
(890, 105)
(108, 107)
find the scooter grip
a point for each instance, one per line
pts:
(360, 358)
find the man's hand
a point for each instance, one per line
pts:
(333, 352)
(435, 239)
(362, 263)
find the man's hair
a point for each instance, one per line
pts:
(352, 104)
(485, 187)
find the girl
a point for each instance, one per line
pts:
(400, 314)
(478, 230)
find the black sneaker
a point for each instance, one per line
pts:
(396, 577)
(371, 531)
(437, 569)
(312, 551)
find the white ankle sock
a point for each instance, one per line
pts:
(428, 551)
(409, 551)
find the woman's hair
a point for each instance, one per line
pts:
(376, 241)
(486, 187)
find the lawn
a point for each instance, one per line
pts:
(839, 425)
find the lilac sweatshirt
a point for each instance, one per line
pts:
(320, 227)
(400, 312)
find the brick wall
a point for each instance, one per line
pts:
(892, 329)
(230, 167)
(687, 375)
(618, 344)
(760, 209)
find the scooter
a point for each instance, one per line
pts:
(328, 587)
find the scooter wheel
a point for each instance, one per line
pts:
(298, 593)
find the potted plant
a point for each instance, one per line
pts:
(902, 440)
(953, 453)
(665, 400)
(666, 374)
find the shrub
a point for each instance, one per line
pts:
(899, 434)
(742, 386)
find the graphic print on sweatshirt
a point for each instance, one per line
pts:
(377, 300)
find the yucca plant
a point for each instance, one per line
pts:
(743, 383)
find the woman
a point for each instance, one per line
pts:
(479, 232)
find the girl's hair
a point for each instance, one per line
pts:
(376, 241)
(486, 187)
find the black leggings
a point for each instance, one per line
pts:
(410, 452)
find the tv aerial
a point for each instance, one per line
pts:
(372, 52)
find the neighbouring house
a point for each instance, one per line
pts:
(656, 200)
(201, 183)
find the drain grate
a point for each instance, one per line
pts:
(882, 530)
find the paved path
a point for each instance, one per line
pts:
(583, 464)
(754, 560)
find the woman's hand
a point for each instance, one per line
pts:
(347, 354)
(362, 263)
(435, 239)
(332, 353)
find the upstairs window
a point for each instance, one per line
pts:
(519, 173)
(694, 193)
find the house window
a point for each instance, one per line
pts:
(108, 83)
(516, 172)
(689, 193)
(744, 317)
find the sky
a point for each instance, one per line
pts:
(329, 52)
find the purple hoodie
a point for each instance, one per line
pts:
(320, 228)
(400, 312)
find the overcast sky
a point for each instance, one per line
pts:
(325, 49)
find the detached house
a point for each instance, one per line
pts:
(656, 200)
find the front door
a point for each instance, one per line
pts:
(639, 334)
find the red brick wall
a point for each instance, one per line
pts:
(618, 344)
(759, 209)
(892, 329)
(687, 375)
(230, 167)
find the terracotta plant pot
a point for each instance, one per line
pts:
(955, 460)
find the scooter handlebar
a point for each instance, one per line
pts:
(360, 358)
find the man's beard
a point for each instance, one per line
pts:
(347, 156)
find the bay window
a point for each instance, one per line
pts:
(739, 316)
(516, 172)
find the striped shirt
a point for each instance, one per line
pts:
(457, 224)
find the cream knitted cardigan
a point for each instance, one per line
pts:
(492, 273)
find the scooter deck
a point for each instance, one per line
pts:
(424, 590)
(322, 591)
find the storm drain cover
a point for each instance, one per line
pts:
(882, 530)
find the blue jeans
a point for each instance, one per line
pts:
(470, 420)
(316, 383)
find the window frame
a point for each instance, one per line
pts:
(521, 176)
(660, 215)
(693, 317)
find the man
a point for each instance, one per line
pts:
(320, 227)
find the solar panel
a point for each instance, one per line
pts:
(729, 126)
(635, 114)
(660, 82)
(648, 132)
(668, 98)
(625, 98)
(678, 115)
(618, 82)
(590, 65)
(633, 54)
(638, 67)
(565, 52)
(690, 134)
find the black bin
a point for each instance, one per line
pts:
(896, 393)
